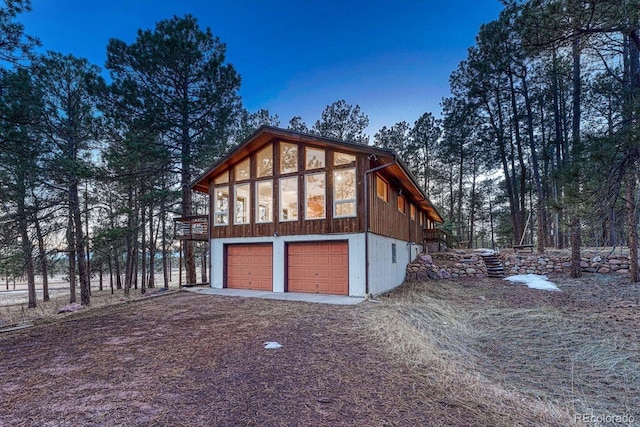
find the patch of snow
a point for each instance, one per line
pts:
(272, 344)
(534, 281)
(486, 251)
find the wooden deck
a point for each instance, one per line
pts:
(191, 228)
(435, 235)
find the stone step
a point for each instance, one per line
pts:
(493, 265)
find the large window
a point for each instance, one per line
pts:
(264, 201)
(382, 188)
(289, 199)
(315, 196)
(344, 192)
(242, 171)
(242, 204)
(264, 162)
(221, 204)
(288, 157)
(314, 158)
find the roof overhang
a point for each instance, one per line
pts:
(266, 134)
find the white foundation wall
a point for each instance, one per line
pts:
(357, 273)
(384, 274)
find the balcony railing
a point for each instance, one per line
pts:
(191, 228)
(437, 235)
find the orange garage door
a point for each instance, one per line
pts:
(318, 267)
(250, 267)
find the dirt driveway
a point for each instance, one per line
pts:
(196, 360)
(448, 353)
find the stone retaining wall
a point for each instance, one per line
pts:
(444, 265)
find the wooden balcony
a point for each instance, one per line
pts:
(191, 228)
(435, 235)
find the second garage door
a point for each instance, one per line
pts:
(250, 267)
(318, 267)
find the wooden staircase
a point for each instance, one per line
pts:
(493, 265)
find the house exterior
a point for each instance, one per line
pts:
(293, 212)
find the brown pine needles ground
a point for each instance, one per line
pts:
(457, 352)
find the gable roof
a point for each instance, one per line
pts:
(266, 134)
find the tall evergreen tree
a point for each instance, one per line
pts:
(68, 128)
(344, 122)
(189, 93)
(20, 157)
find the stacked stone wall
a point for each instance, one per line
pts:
(445, 265)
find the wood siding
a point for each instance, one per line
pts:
(386, 220)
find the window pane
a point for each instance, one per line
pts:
(288, 157)
(344, 192)
(242, 204)
(242, 170)
(315, 195)
(264, 196)
(402, 207)
(221, 204)
(223, 178)
(345, 209)
(413, 212)
(314, 158)
(289, 199)
(264, 161)
(382, 189)
(343, 159)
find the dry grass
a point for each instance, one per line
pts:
(549, 353)
(18, 314)
(530, 360)
(437, 336)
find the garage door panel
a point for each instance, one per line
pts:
(250, 267)
(318, 267)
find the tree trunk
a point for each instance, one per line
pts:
(166, 273)
(86, 236)
(632, 223)
(203, 269)
(116, 259)
(72, 261)
(153, 237)
(498, 128)
(460, 191)
(520, 186)
(74, 207)
(27, 250)
(110, 262)
(576, 243)
(143, 248)
(576, 156)
(190, 264)
(559, 138)
(540, 237)
(42, 256)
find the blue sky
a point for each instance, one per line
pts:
(295, 57)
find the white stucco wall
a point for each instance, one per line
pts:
(356, 258)
(384, 274)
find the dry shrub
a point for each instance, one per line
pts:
(436, 336)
